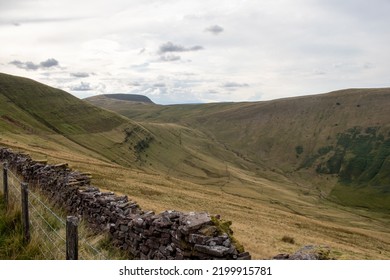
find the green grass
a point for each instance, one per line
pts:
(372, 198)
(55, 109)
(360, 158)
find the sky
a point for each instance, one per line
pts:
(195, 51)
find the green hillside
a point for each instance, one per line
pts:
(29, 107)
(55, 108)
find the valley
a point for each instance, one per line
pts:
(313, 168)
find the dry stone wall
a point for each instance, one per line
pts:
(168, 235)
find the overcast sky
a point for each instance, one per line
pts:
(182, 51)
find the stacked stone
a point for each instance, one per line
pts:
(170, 235)
(102, 208)
(173, 235)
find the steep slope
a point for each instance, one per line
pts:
(56, 109)
(344, 133)
(28, 107)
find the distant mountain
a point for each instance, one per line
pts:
(122, 96)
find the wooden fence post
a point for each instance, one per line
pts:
(25, 214)
(72, 238)
(5, 184)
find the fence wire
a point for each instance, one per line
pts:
(48, 226)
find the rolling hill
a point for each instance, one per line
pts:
(257, 164)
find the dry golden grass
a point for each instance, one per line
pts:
(263, 206)
(262, 210)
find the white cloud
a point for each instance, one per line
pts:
(28, 65)
(234, 85)
(83, 86)
(80, 75)
(214, 29)
(276, 48)
(170, 47)
(170, 57)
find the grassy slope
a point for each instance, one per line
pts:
(29, 107)
(190, 170)
(56, 109)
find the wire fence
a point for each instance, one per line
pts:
(48, 226)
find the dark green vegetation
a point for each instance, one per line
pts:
(360, 158)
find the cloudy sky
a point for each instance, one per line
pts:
(185, 51)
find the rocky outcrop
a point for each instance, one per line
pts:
(146, 235)
(308, 252)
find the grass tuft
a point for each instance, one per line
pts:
(288, 239)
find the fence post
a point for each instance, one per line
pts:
(25, 214)
(5, 184)
(72, 238)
